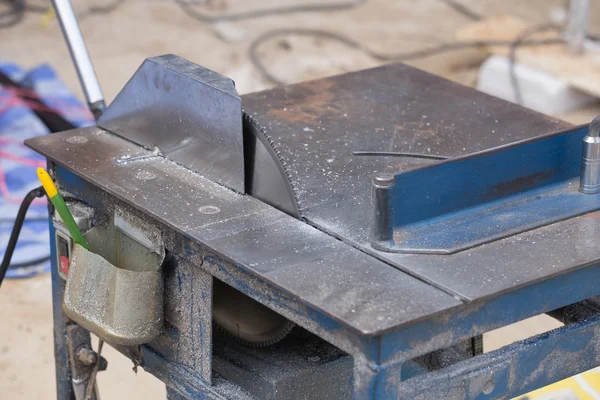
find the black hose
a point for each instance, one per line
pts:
(30, 263)
(14, 236)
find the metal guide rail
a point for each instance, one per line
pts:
(370, 316)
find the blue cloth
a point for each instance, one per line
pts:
(18, 163)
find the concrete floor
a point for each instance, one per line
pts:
(119, 42)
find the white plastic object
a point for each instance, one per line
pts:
(540, 91)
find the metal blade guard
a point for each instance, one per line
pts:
(483, 197)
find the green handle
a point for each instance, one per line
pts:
(68, 220)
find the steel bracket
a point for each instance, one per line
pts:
(483, 197)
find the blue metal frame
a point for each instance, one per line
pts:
(381, 367)
(64, 388)
(476, 199)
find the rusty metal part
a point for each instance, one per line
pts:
(80, 352)
(86, 355)
(89, 392)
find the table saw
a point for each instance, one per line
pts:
(349, 237)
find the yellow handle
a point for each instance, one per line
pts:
(47, 183)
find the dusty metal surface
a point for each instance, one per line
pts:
(360, 292)
(377, 313)
(301, 366)
(115, 290)
(191, 114)
(318, 125)
(515, 369)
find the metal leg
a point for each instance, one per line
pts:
(64, 388)
(366, 378)
(579, 11)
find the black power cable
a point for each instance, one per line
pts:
(14, 236)
(512, 56)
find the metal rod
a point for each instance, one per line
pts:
(579, 11)
(382, 229)
(590, 160)
(79, 54)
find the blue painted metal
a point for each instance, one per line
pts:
(482, 316)
(483, 197)
(515, 369)
(64, 387)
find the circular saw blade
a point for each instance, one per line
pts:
(246, 320)
(267, 178)
(267, 174)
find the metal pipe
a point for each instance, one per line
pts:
(590, 160)
(79, 54)
(382, 230)
(579, 11)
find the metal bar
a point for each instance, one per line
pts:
(579, 12)
(589, 182)
(515, 369)
(64, 388)
(79, 53)
(383, 211)
(481, 316)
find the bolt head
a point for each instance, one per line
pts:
(384, 180)
(86, 356)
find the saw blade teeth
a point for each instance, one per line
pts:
(284, 165)
(265, 343)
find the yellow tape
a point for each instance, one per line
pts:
(585, 386)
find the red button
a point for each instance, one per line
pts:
(64, 265)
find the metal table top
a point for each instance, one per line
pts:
(395, 108)
(359, 291)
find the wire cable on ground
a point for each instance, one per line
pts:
(463, 9)
(100, 10)
(512, 56)
(14, 236)
(193, 11)
(14, 14)
(17, 9)
(353, 44)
